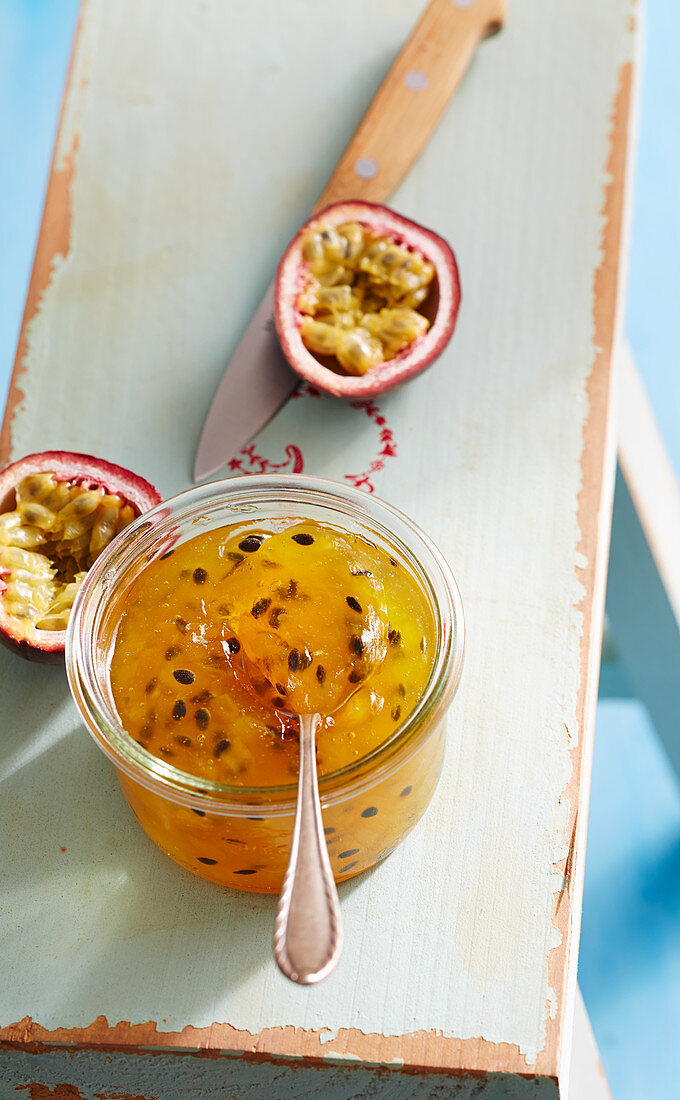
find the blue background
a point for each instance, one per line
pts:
(630, 946)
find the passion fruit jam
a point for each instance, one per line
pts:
(224, 639)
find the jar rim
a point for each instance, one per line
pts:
(150, 535)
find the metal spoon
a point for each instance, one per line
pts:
(308, 929)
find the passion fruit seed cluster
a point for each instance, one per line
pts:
(49, 541)
(361, 296)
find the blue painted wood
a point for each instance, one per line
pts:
(651, 322)
(629, 966)
(613, 683)
(643, 624)
(178, 1077)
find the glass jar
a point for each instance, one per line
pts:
(240, 836)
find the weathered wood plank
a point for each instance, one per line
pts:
(190, 148)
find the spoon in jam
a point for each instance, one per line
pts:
(308, 644)
(308, 929)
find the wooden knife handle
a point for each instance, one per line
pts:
(411, 99)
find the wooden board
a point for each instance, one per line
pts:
(191, 146)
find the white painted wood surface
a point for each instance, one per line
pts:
(587, 1079)
(195, 137)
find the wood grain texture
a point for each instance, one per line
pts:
(502, 451)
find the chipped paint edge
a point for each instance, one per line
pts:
(272, 1045)
(54, 238)
(423, 1050)
(595, 503)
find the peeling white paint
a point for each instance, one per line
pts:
(341, 1056)
(188, 180)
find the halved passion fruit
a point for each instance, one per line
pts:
(365, 299)
(58, 510)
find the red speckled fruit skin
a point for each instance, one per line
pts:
(47, 646)
(414, 359)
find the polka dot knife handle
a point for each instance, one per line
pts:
(411, 99)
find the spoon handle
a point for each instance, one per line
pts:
(308, 930)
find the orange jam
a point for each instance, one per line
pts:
(229, 636)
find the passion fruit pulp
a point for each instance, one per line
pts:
(58, 510)
(365, 299)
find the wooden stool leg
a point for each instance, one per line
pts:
(643, 587)
(587, 1079)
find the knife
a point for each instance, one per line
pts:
(393, 133)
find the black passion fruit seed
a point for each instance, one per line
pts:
(250, 544)
(202, 718)
(184, 676)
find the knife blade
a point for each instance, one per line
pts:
(256, 383)
(393, 132)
